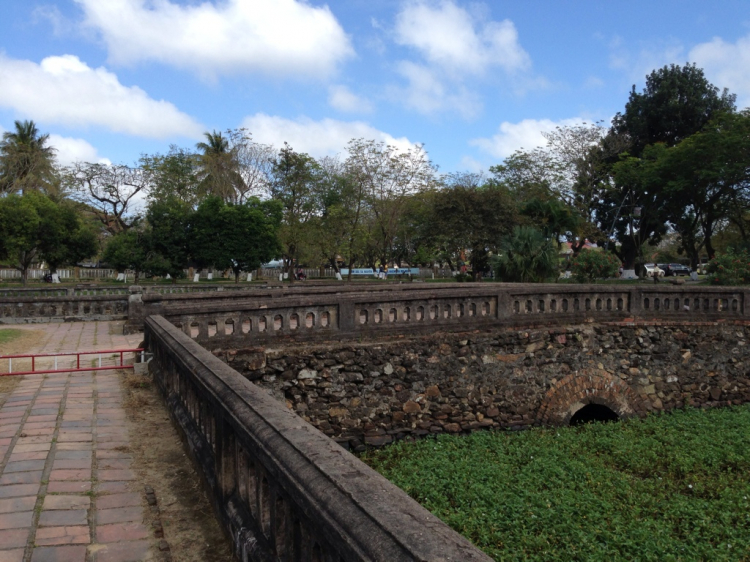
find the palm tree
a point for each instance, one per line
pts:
(27, 162)
(527, 256)
(219, 174)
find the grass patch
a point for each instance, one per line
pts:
(7, 335)
(671, 487)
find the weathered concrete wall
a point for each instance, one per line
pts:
(379, 391)
(365, 314)
(63, 308)
(284, 491)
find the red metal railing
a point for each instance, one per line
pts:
(70, 365)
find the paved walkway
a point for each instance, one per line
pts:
(67, 492)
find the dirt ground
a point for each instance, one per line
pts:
(190, 526)
(13, 342)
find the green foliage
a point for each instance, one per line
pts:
(129, 250)
(673, 486)
(295, 182)
(589, 265)
(527, 257)
(7, 335)
(676, 102)
(169, 244)
(236, 237)
(468, 214)
(730, 268)
(33, 228)
(65, 238)
(553, 217)
(27, 162)
(175, 174)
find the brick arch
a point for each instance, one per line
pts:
(588, 386)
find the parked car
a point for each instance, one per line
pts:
(674, 269)
(653, 269)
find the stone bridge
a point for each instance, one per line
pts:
(264, 383)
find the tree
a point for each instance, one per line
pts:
(175, 174)
(706, 180)
(386, 177)
(553, 217)
(526, 257)
(527, 174)
(678, 101)
(20, 225)
(335, 229)
(65, 238)
(638, 206)
(109, 191)
(27, 162)
(469, 214)
(295, 186)
(572, 169)
(33, 229)
(130, 250)
(254, 163)
(168, 223)
(234, 167)
(218, 174)
(236, 237)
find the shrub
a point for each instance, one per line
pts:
(591, 264)
(527, 257)
(730, 268)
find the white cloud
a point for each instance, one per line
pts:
(427, 93)
(455, 45)
(526, 134)
(65, 90)
(593, 82)
(637, 64)
(726, 64)
(455, 40)
(278, 37)
(70, 150)
(472, 164)
(342, 99)
(326, 137)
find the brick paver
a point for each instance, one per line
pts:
(67, 488)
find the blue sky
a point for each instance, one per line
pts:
(472, 81)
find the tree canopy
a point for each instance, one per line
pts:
(27, 161)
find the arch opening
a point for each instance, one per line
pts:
(593, 413)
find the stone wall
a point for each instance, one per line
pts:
(365, 312)
(283, 490)
(375, 392)
(64, 308)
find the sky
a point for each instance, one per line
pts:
(111, 80)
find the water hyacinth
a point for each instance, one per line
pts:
(673, 486)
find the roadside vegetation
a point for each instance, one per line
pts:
(671, 487)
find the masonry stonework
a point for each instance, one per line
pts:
(371, 394)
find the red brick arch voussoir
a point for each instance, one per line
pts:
(588, 386)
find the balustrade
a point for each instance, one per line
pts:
(284, 490)
(354, 314)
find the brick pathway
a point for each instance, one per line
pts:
(67, 492)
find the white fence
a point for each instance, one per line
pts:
(85, 273)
